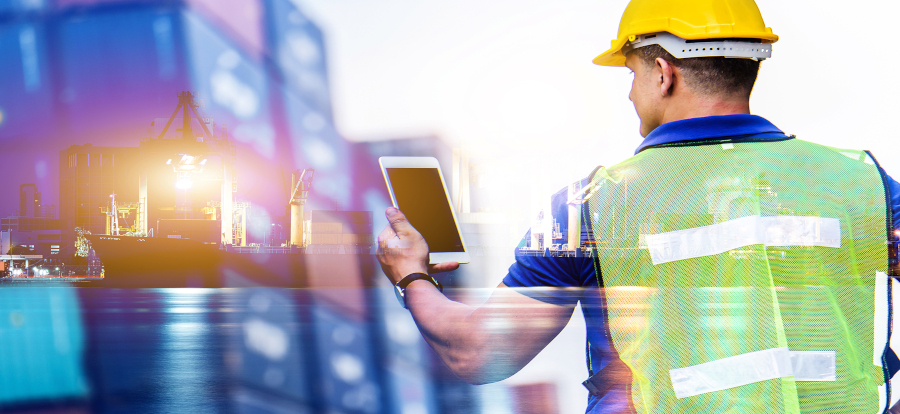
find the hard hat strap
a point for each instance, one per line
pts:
(681, 49)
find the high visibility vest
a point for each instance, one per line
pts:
(746, 277)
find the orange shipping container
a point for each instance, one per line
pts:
(325, 228)
(364, 238)
(325, 238)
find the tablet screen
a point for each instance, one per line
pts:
(420, 195)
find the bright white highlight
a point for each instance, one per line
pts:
(184, 184)
(348, 367)
(266, 339)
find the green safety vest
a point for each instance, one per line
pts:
(746, 277)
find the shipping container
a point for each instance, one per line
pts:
(319, 216)
(326, 238)
(234, 89)
(18, 8)
(315, 143)
(347, 380)
(27, 112)
(298, 49)
(410, 391)
(403, 355)
(232, 86)
(325, 228)
(272, 348)
(364, 239)
(121, 68)
(240, 20)
(351, 222)
(91, 6)
(250, 401)
(102, 70)
(42, 344)
(118, 70)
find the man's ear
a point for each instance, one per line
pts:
(665, 76)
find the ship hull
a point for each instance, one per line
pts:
(159, 262)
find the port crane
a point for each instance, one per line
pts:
(301, 183)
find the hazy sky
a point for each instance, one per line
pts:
(516, 75)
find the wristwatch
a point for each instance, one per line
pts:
(400, 287)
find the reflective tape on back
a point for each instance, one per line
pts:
(814, 365)
(744, 231)
(753, 367)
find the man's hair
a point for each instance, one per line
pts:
(708, 75)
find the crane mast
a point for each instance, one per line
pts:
(301, 183)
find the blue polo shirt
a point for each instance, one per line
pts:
(540, 271)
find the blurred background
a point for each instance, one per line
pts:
(503, 93)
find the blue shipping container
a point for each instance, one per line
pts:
(43, 343)
(315, 143)
(298, 49)
(347, 378)
(26, 92)
(120, 69)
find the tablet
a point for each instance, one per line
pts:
(417, 188)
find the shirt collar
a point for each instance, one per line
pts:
(718, 127)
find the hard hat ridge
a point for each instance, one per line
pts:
(682, 49)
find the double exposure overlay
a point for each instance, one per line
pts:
(191, 201)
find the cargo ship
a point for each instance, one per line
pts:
(336, 248)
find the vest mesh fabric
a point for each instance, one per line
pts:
(756, 297)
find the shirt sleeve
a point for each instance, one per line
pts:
(536, 270)
(894, 187)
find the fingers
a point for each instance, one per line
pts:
(397, 220)
(443, 267)
(388, 239)
(399, 235)
(385, 235)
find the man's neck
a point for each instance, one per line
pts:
(698, 107)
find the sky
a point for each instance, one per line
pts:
(512, 82)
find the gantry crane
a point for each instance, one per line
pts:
(301, 183)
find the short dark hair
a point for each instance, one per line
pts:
(708, 75)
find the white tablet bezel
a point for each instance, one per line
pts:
(426, 162)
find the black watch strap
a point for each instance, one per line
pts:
(403, 283)
(400, 287)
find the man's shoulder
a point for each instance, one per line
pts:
(560, 200)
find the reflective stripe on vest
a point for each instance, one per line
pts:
(741, 278)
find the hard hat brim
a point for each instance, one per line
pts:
(613, 56)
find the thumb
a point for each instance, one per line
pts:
(397, 220)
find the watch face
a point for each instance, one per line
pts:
(399, 292)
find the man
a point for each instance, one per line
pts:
(734, 269)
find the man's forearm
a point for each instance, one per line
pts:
(488, 343)
(451, 328)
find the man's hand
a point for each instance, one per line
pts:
(402, 250)
(482, 344)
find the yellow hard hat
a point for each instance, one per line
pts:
(690, 20)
